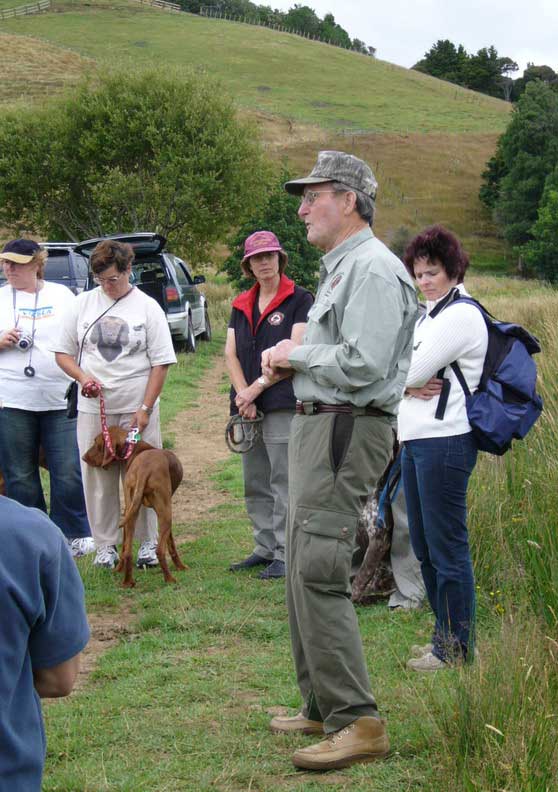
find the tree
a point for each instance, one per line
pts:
(278, 214)
(303, 19)
(529, 152)
(543, 73)
(150, 151)
(331, 31)
(495, 171)
(541, 253)
(444, 61)
(482, 72)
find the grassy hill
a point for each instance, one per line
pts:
(427, 139)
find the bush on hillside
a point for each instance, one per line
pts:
(541, 254)
(155, 151)
(529, 148)
(278, 214)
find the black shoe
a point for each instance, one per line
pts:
(274, 570)
(253, 560)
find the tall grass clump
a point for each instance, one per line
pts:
(499, 730)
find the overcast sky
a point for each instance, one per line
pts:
(403, 30)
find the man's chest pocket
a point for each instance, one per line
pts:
(322, 320)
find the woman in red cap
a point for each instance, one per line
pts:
(272, 310)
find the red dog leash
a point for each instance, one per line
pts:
(92, 390)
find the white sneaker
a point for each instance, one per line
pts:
(81, 547)
(107, 556)
(147, 556)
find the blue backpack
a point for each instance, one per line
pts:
(506, 404)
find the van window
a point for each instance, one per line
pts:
(58, 266)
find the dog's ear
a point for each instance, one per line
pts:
(107, 456)
(94, 455)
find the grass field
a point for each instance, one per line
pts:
(279, 73)
(427, 140)
(182, 703)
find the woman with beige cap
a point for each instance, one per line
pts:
(272, 310)
(32, 389)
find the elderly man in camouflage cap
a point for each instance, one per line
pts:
(349, 375)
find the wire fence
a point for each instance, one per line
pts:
(215, 13)
(32, 8)
(161, 4)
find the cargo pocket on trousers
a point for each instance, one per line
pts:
(326, 545)
(340, 439)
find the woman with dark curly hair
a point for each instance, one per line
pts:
(440, 451)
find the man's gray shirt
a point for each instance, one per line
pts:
(358, 341)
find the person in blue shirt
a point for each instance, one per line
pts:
(43, 629)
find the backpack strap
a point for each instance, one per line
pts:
(461, 379)
(443, 397)
(453, 296)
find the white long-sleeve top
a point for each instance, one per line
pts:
(458, 333)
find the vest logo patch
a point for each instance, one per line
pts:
(275, 318)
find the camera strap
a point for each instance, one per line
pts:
(29, 371)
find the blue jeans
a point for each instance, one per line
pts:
(21, 434)
(436, 473)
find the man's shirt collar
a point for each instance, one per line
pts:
(331, 259)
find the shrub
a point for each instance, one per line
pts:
(150, 151)
(278, 213)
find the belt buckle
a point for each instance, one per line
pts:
(308, 407)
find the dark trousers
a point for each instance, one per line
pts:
(335, 461)
(22, 432)
(436, 473)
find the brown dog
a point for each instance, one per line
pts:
(152, 475)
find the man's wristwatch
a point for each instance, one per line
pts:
(146, 409)
(262, 381)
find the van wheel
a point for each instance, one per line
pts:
(207, 334)
(190, 336)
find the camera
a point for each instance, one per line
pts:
(24, 342)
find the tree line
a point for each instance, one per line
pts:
(485, 71)
(299, 18)
(520, 183)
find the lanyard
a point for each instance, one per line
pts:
(29, 371)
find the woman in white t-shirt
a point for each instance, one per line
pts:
(32, 388)
(439, 451)
(117, 337)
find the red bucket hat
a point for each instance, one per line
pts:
(261, 242)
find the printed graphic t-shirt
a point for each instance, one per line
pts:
(120, 349)
(44, 391)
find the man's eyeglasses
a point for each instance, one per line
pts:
(310, 196)
(112, 279)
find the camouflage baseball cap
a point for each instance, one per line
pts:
(341, 167)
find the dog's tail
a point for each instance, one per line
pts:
(131, 511)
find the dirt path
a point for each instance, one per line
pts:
(199, 444)
(199, 435)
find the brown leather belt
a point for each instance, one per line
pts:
(315, 408)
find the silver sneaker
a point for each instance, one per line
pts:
(418, 651)
(107, 556)
(428, 662)
(81, 547)
(147, 555)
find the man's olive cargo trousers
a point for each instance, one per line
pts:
(335, 461)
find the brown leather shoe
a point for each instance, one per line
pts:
(282, 724)
(361, 741)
